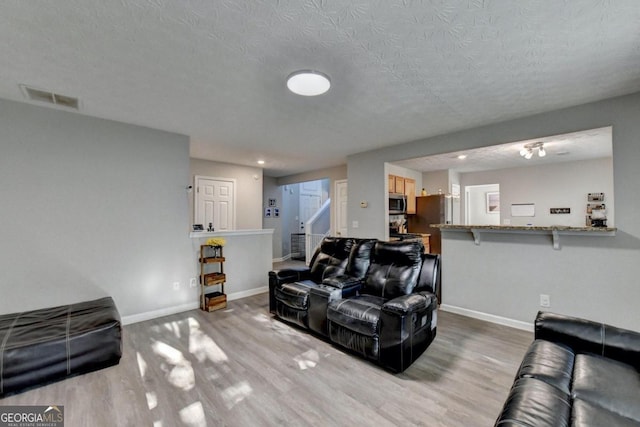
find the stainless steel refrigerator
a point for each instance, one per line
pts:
(435, 209)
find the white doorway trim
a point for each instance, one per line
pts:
(337, 204)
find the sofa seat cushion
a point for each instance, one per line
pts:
(585, 414)
(549, 362)
(359, 314)
(534, 403)
(607, 383)
(295, 295)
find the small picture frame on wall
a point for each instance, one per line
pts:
(276, 212)
(493, 202)
(267, 212)
(272, 203)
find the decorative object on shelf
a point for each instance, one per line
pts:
(198, 227)
(596, 212)
(210, 227)
(493, 202)
(216, 241)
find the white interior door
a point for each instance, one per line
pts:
(215, 203)
(341, 208)
(310, 201)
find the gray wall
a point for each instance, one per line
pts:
(478, 214)
(91, 207)
(594, 277)
(248, 190)
(271, 190)
(557, 185)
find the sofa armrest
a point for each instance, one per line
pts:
(289, 275)
(286, 275)
(407, 327)
(342, 282)
(586, 336)
(411, 303)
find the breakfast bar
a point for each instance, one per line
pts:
(555, 231)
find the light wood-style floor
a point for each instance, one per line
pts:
(241, 367)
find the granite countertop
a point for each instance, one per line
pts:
(524, 228)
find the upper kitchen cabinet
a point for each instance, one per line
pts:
(406, 186)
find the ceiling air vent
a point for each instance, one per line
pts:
(41, 95)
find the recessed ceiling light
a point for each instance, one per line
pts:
(462, 156)
(261, 162)
(308, 83)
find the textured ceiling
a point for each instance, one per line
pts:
(570, 147)
(401, 70)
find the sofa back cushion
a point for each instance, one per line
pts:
(331, 258)
(360, 258)
(429, 273)
(394, 269)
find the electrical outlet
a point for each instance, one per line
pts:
(545, 300)
(193, 282)
(176, 286)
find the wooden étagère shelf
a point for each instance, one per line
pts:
(212, 300)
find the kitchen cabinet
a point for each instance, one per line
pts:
(410, 192)
(399, 184)
(406, 186)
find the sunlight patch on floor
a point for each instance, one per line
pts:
(142, 365)
(193, 415)
(261, 317)
(308, 359)
(173, 327)
(236, 394)
(152, 399)
(202, 346)
(288, 332)
(176, 367)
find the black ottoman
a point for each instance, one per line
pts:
(41, 346)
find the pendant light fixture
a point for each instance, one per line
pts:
(308, 83)
(528, 149)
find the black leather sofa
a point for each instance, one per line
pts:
(576, 373)
(373, 298)
(339, 261)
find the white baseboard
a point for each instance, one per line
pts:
(249, 293)
(149, 315)
(525, 326)
(284, 258)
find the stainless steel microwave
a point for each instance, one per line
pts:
(397, 204)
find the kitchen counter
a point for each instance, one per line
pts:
(554, 230)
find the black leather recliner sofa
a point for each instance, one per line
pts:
(576, 373)
(339, 261)
(378, 301)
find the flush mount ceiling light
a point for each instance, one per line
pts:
(308, 83)
(528, 149)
